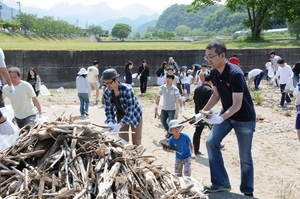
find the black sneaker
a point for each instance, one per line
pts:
(86, 113)
(211, 189)
(248, 194)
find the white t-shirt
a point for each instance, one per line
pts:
(274, 61)
(268, 65)
(2, 58)
(254, 73)
(170, 96)
(183, 77)
(21, 100)
(189, 79)
(285, 73)
(92, 73)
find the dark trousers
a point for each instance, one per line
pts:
(258, 78)
(143, 84)
(179, 87)
(197, 138)
(276, 81)
(284, 95)
(267, 77)
(1, 100)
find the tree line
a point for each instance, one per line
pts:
(203, 18)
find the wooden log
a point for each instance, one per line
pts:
(105, 186)
(41, 186)
(27, 155)
(42, 162)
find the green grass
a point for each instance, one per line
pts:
(25, 42)
(257, 97)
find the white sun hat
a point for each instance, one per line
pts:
(82, 71)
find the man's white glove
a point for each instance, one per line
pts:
(198, 116)
(139, 76)
(215, 119)
(155, 107)
(181, 109)
(11, 89)
(125, 78)
(7, 128)
(116, 127)
(149, 78)
(110, 125)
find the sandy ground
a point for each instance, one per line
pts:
(276, 150)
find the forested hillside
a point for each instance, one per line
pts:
(210, 18)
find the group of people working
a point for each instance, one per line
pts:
(123, 110)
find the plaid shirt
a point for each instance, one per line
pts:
(129, 103)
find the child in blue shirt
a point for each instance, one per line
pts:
(183, 147)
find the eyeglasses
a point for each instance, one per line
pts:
(207, 58)
(109, 83)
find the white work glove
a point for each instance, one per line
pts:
(11, 89)
(124, 78)
(139, 76)
(215, 119)
(149, 78)
(110, 125)
(199, 116)
(155, 107)
(116, 127)
(41, 119)
(7, 128)
(181, 109)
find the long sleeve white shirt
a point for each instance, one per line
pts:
(82, 85)
(285, 73)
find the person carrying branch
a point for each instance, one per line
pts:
(122, 108)
(238, 113)
(181, 143)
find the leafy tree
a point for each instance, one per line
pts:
(95, 30)
(9, 25)
(262, 14)
(27, 21)
(294, 29)
(121, 31)
(224, 21)
(137, 35)
(182, 30)
(163, 35)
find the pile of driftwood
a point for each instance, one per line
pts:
(69, 159)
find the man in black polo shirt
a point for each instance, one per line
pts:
(237, 113)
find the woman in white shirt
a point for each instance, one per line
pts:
(84, 91)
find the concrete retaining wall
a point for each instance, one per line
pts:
(59, 68)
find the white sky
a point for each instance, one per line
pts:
(46, 4)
